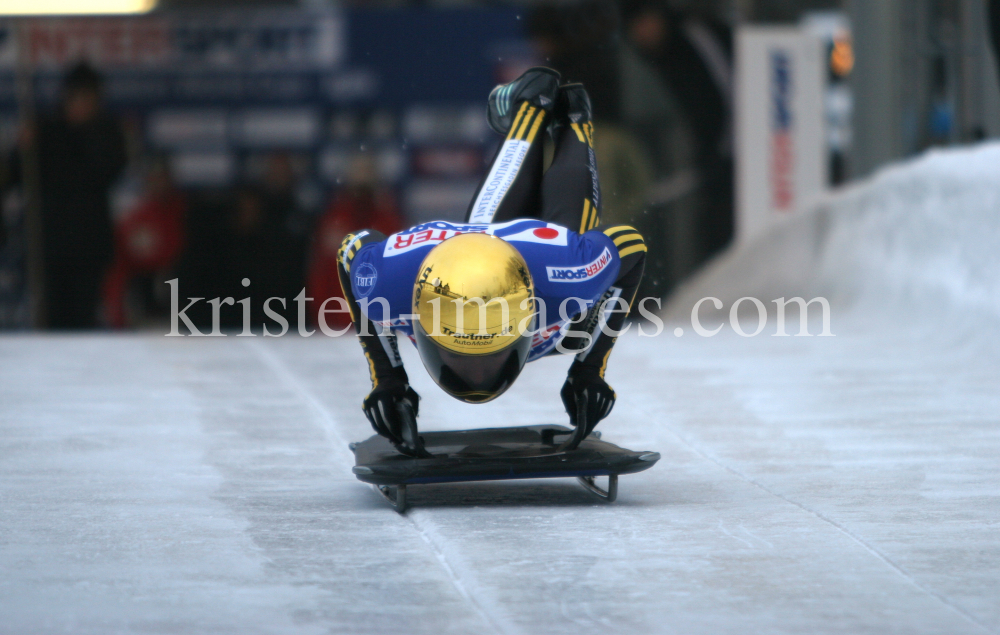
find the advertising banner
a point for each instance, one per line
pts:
(781, 147)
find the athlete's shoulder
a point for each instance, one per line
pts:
(532, 231)
(353, 242)
(424, 236)
(626, 239)
(594, 257)
(427, 235)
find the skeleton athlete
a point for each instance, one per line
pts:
(530, 272)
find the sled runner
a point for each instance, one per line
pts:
(495, 454)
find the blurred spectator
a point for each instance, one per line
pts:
(580, 40)
(362, 204)
(258, 232)
(284, 202)
(148, 243)
(266, 241)
(693, 55)
(256, 252)
(80, 152)
(626, 175)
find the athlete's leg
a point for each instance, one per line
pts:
(520, 109)
(571, 194)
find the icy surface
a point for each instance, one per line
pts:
(846, 484)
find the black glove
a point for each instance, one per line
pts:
(382, 404)
(588, 399)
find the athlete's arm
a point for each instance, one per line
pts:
(390, 385)
(587, 396)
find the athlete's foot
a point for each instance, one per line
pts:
(573, 104)
(572, 107)
(538, 86)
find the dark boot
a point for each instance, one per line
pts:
(572, 107)
(538, 86)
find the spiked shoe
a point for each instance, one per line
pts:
(538, 86)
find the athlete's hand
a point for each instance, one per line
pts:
(381, 406)
(588, 399)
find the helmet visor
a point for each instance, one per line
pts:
(472, 378)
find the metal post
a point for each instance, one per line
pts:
(973, 50)
(875, 82)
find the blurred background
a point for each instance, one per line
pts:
(219, 143)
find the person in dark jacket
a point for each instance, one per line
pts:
(693, 55)
(80, 152)
(580, 40)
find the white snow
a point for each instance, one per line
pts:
(846, 484)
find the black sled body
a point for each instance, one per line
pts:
(495, 454)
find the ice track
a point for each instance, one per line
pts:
(807, 485)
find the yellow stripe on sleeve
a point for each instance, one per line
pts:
(617, 229)
(626, 238)
(343, 255)
(579, 132)
(343, 277)
(628, 251)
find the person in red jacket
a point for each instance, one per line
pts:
(364, 202)
(148, 240)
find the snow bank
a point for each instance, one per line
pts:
(919, 239)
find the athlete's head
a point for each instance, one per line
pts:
(474, 304)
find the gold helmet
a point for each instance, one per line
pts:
(474, 304)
